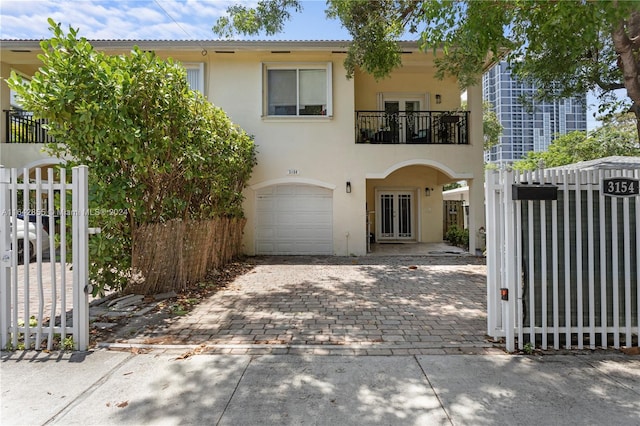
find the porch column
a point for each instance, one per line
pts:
(476, 185)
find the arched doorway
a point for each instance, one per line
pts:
(404, 203)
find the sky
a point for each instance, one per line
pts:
(149, 19)
(159, 20)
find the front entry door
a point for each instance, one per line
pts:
(395, 216)
(401, 118)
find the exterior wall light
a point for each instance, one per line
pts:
(348, 187)
(427, 191)
(438, 99)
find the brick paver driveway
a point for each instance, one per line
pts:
(371, 305)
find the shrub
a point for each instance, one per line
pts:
(457, 236)
(156, 150)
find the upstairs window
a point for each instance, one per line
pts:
(195, 76)
(300, 90)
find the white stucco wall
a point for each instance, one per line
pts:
(322, 150)
(22, 154)
(312, 150)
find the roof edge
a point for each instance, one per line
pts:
(213, 45)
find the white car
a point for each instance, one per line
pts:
(32, 236)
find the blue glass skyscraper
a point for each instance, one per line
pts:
(527, 127)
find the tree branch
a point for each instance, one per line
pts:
(626, 60)
(607, 87)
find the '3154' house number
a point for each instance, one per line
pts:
(620, 187)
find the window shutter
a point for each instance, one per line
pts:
(330, 89)
(195, 76)
(313, 87)
(282, 88)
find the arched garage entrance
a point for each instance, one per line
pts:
(294, 219)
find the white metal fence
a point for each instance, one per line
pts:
(568, 268)
(43, 292)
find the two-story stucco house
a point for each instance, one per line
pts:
(340, 161)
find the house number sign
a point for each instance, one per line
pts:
(620, 187)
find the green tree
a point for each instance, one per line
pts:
(491, 127)
(564, 47)
(157, 150)
(615, 137)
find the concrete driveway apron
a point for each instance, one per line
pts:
(358, 305)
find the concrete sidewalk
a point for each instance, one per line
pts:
(170, 387)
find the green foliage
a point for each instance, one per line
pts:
(450, 186)
(491, 127)
(156, 150)
(457, 236)
(68, 344)
(179, 309)
(33, 322)
(269, 16)
(616, 137)
(565, 47)
(374, 48)
(528, 348)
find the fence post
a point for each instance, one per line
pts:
(493, 251)
(5, 258)
(80, 208)
(510, 278)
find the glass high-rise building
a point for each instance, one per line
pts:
(527, 127)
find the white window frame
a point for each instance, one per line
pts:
(327, 66)
(12, 94)
(423, 98)
(200, 67)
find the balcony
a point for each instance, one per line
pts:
(23, 128)
(415, 127)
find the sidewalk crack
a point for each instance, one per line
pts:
(424, 373)
(89, 390)
(234, 390)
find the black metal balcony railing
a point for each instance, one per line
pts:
(23, 128)
(416, 127)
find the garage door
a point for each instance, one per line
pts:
(294, 219)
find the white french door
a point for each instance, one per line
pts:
(401, 118)
(395, 213)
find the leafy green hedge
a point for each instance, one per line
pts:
(156, 150)
(457, 237)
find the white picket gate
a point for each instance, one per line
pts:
(37, 294)
(568, 268)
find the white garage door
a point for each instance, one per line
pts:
(294, 219)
